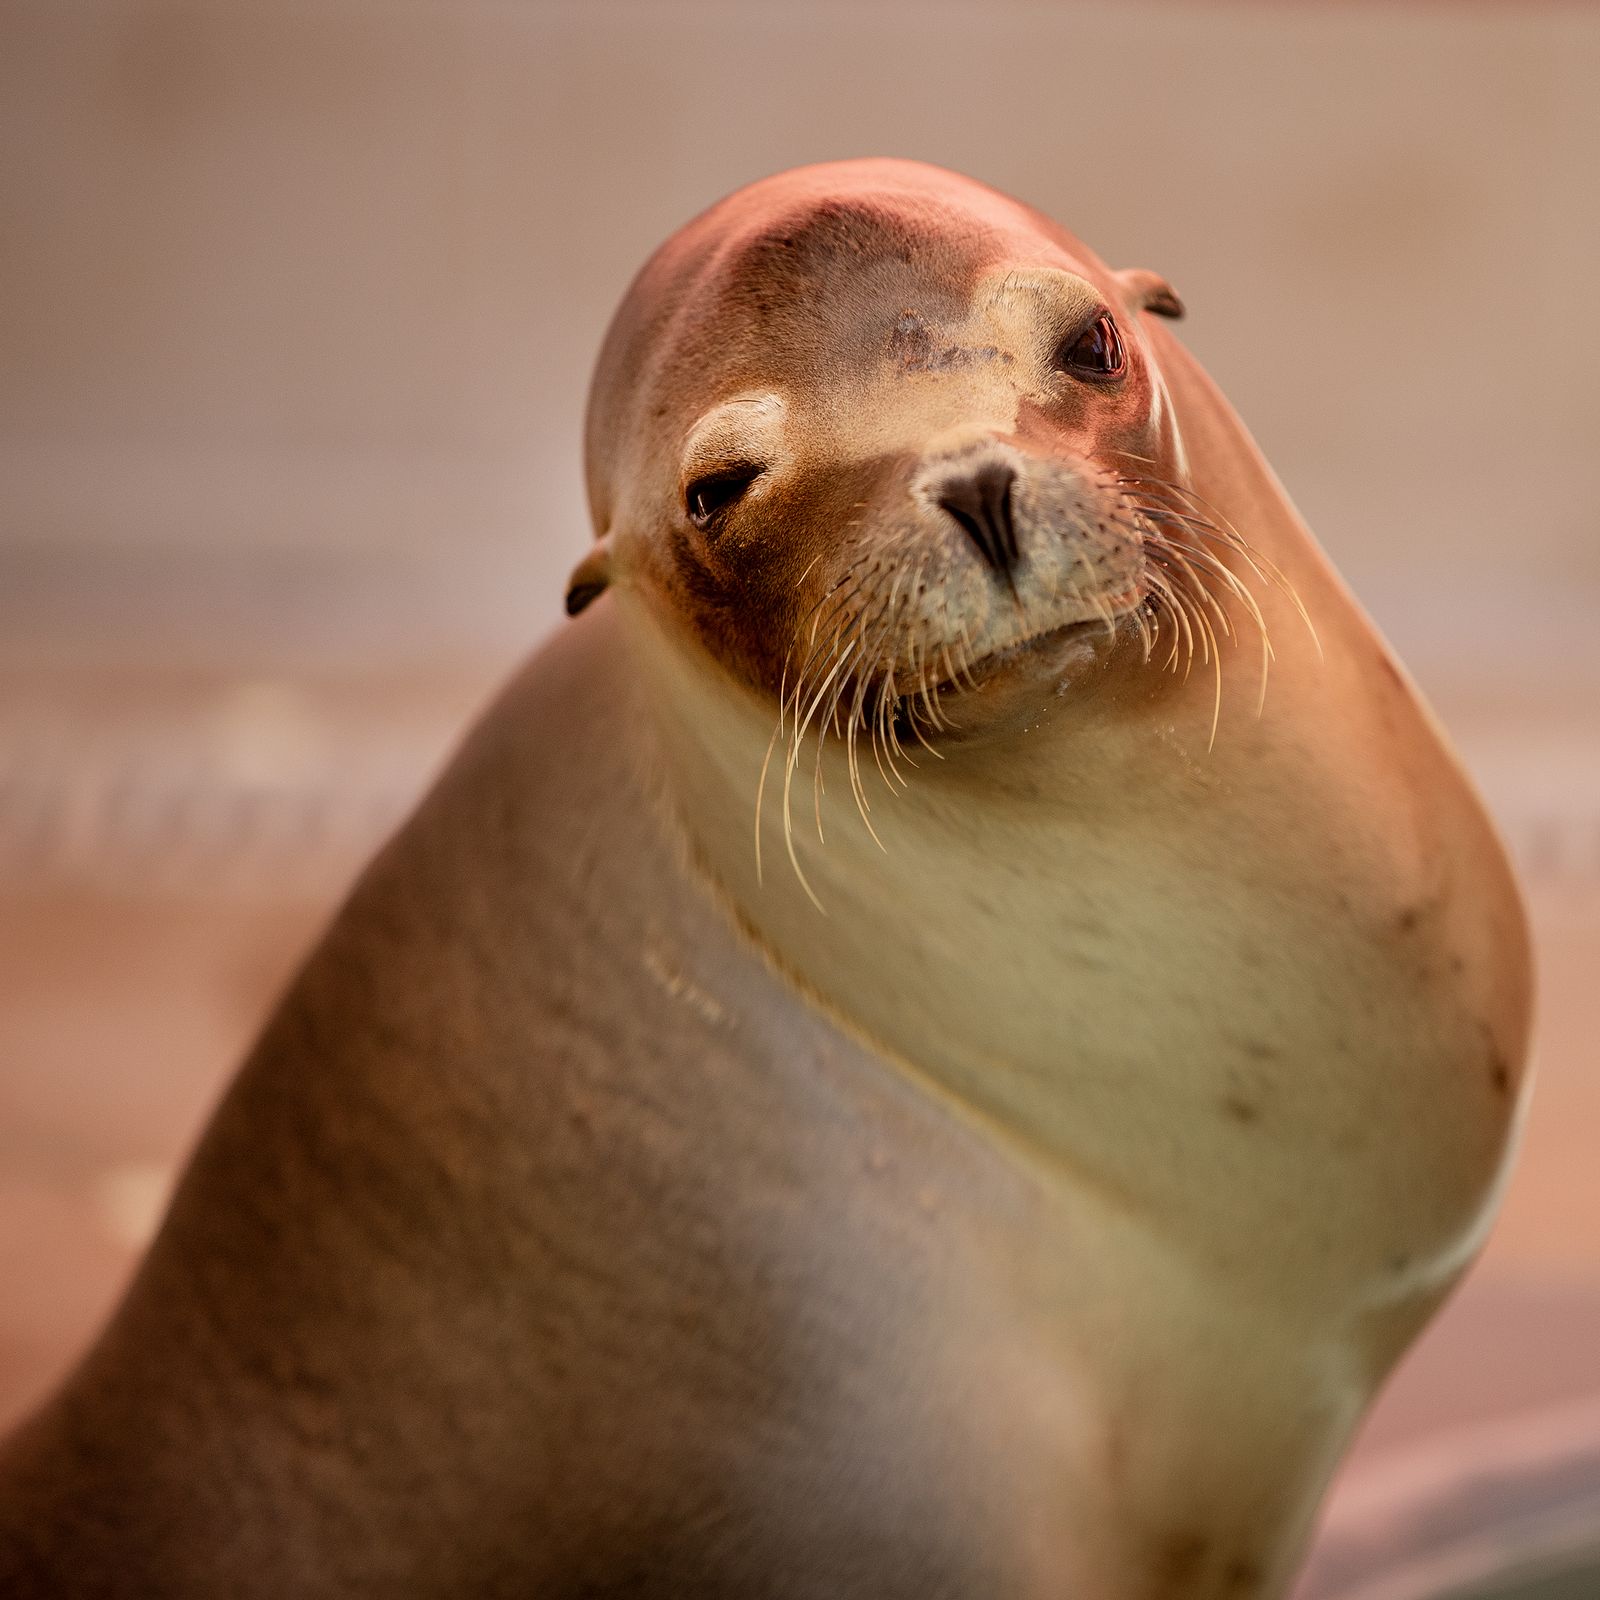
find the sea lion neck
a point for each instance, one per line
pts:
(965, 879)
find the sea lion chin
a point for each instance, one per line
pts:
(1021, 688)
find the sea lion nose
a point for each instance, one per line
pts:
(979, 498)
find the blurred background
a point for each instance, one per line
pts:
(299, 303)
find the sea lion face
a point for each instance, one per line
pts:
(871, 430)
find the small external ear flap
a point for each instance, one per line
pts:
(1151, 292)
(590, 578)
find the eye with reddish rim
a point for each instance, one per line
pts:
(1094, 352)
(708, 497)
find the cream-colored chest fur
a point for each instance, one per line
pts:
(1242, 995)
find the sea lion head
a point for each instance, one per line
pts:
(895, 447)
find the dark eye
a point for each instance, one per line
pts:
(709, 495)
(1096, 352)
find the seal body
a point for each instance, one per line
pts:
(894, 1061)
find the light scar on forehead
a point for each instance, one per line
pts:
(974, 374)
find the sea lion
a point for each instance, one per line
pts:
(938, 1041)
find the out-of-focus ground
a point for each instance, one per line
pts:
(300, 301)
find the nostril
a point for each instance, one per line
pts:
(980, 500)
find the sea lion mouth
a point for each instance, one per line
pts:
(1030, 649)
(1006, 681)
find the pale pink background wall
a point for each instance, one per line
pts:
(297, 304)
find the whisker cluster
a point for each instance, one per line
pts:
(1187, 580)
(865, 669)
(867, 674)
